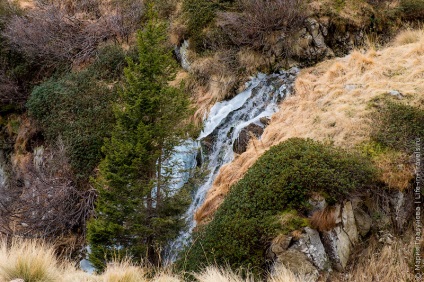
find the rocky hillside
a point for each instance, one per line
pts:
(97, 98)
(335, 102)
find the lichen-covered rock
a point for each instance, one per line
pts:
(311, 245)
(403, 208)
(348, 221)
(298, 263)
(363, 221)
(311, 46)
(338, 247)
(181, 53)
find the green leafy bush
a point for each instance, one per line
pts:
(412, 9)
(110, 62)
(76, 107)
(397, 125)
(279, 182)
(200, 14)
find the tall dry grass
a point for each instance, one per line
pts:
(324, 220)
(388, 263)
(215, 274)
(29, 260)
(123, 272)
(283, 274)
(331, 103)
(35, 261)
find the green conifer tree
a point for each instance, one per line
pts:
(136, 213)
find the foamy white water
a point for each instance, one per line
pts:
(222, 127)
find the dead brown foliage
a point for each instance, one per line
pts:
(9, 90)
(71, 30)
(40, 199)
(324, 220)
(256, 20)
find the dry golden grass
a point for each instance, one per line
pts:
(408, 37)
(214, 81)
(389, 263)
(25, 4)
(331, 104)
(35, 261)
(396, 169)
(123, 272)
(70, 274)
(177, 32)
(165, 277)
(251, 61)
(216, 274)
(324, 220)
(30, 261)
(283, 274)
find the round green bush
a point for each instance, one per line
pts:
(281, 180)
(397, 125)
(77, 108)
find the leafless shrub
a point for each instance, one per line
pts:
(258, 20)
(43, 201)
(71, 30)
(123, 17)
(9, 90)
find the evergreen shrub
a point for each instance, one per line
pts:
(280, 182)
(76, 107)
(397, 125)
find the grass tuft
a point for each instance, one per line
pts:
(216, 274)
(123, 271)
(31, 261)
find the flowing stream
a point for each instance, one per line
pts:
(222, 128)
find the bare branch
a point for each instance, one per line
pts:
(70, 31)
(46, 202)
(258, 19)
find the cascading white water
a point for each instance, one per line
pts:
(222, 127)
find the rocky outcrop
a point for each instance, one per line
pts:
(321, 39)
(315, 251)
(338, 246)
(252, 130)
(297, 262)
(310, 244)
(363, 221)
(402, 203)
(331, 249)
(311, 43)
(181, 54)
(348, 221)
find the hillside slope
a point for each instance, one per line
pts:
(332, 103)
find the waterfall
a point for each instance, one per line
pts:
(222, 127)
